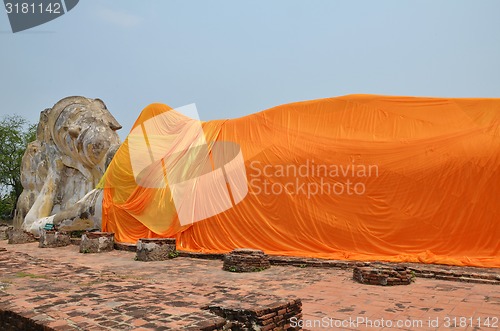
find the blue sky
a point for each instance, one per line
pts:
(234, 58)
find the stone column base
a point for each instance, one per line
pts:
(51, 239)
(155, 249)
(18, 236)
(97, 242)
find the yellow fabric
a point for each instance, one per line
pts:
(432, 197)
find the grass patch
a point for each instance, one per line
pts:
(173, 255)
(29, 275)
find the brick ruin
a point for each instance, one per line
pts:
(254, 316)
(246, 260)
(155, 249)
(97, 242)
(274, 316)
(18, 236)
(51, 239)
(383, 275)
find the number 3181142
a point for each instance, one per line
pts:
(462, 322)
(31, 8)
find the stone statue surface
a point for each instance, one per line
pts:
(76, 140)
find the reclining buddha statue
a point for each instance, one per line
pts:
(75, 141)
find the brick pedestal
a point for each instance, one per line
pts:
(383, 275)
(277, 316)
(246, 260)
(155, 249)
(50, 239)
(18, 236)
(97, 242)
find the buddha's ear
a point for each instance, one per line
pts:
(74, 131)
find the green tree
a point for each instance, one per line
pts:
(15, 134)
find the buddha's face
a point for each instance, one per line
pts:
(85, 131)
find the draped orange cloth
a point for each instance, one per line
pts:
(357, 177)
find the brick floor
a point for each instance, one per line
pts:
(67, 290)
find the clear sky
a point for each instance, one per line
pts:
(234, 58)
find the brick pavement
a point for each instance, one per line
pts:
(66, 290)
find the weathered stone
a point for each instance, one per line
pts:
(155, 249)
(97, 242)
(76, 140)
(246, 260)
(3, 231)
(18, 236)
(51, 239)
